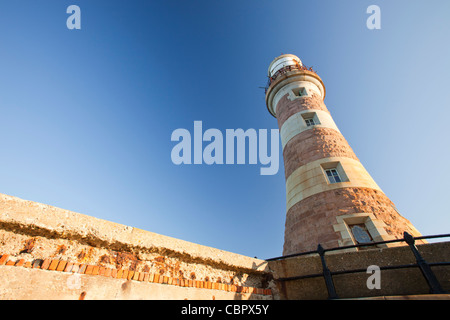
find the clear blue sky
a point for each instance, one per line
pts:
(87, 115)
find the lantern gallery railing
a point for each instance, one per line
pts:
(286, 69)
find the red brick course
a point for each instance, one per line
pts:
(61, 265)
(53, 265)
(93, 270)
(3, 259)
(82, 268)
(19, 263)
(45, 264)
(68, 267)
(75, 268)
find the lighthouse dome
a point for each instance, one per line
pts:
(283, 61)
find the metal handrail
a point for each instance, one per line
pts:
(424, 266)
(356, 246)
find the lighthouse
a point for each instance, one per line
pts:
(331, 199)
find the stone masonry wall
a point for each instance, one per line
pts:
(42, 238)
(314, 144)
(310, 221)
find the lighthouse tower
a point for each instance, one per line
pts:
(330, 197)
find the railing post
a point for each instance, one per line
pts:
(327, 274)
(428, 274)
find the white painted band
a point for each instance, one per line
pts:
(311, 179)
(310, 89)
(296, 79)
(296, 124)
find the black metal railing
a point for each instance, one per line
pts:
(284, 70)
(424, 266)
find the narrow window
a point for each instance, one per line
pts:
(360, 234)
(334, 172)
(299, 92)
(311, 119)
(333, 175)
(310, 122)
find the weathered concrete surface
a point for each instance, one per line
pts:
(32, 231)
(31, 218)
(29, 284)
